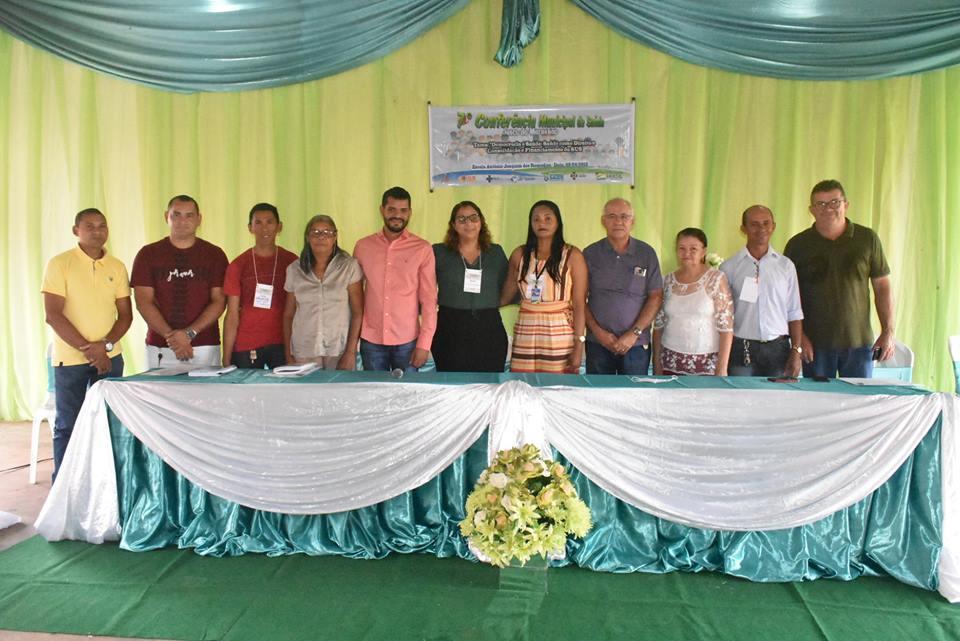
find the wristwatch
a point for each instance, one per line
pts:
(798, 349)
(637, 332)
(191, 333)
(582, 339)
(107, 345)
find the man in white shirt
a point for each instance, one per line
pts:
(767, 318)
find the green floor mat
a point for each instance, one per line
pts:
(173, 594)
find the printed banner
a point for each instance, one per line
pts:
(531, 144)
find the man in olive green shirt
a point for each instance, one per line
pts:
(837, 263)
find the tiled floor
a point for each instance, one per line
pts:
(19, 497)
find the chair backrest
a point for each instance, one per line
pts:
(898, 367)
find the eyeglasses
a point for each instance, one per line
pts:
(323, 233)
(623, 218)
(472, 218)
(829, 204)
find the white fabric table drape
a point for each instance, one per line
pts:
(718, 459)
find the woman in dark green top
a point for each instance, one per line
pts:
(470, 272)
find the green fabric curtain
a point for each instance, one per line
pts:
(222, 45)
(799, 40)
(709, 143)
(160, 508)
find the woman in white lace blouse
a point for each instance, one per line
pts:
(693, 331)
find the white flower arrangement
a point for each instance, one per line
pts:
(523, 505)
(714, 260)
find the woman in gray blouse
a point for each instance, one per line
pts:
(321, 322)
(470, 273)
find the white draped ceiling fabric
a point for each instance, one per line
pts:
(761, 460)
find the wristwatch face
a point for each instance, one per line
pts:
(108, 346)
(637, 331)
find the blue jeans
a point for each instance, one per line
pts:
(71, 382)
(386, 358)
(635, 362)
(856, 362)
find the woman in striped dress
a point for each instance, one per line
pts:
(551, 279)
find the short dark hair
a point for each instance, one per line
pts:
(452, 239)
(743, 216)
(397, 193)
(827, 185)
(183, 198)
(89, 211)
(692, 232)
(261, 207)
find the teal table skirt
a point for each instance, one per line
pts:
(894, 531)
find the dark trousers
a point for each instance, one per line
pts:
(71, 383)
(386, 358)
(635, 362)
(268, 356)
(856, 362)
(765, 358)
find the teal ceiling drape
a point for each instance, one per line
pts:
(229, 45)
(222, 45)
(796, 39)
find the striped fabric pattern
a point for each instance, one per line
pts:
(543, 333)
(542, 338)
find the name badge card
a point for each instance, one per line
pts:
(263, 296)
(471, 280)
(749, 290)
(534, 288)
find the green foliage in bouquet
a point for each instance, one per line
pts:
(523, 505)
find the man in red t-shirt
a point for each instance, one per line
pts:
(178, 286)
(253, 327)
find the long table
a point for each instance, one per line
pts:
(767, 481)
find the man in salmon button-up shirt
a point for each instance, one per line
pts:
(400, 290)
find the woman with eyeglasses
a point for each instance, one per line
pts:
(321, 321)
(471, 270)
(551, 278)
(693, 331)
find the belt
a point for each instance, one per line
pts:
(782, 337)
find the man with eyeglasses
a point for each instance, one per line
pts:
(837, 262)
(625, 292)
(400, 290)
(178, 287)
(767, 318)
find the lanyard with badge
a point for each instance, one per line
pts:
(750, 289)
(535, 284)
(263, 295)
(472, 277)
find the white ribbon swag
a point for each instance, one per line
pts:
(718, 459)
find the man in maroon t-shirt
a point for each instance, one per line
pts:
(178, 286)
(253, 327)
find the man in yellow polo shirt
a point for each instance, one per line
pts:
(86, 297)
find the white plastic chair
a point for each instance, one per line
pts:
(899, 367)
(46, 412)
(954, 343)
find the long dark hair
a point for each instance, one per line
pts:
(307, 260)
(556, 247)
(452, 239)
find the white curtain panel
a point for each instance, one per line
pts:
(736, 459)
(304, 449)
